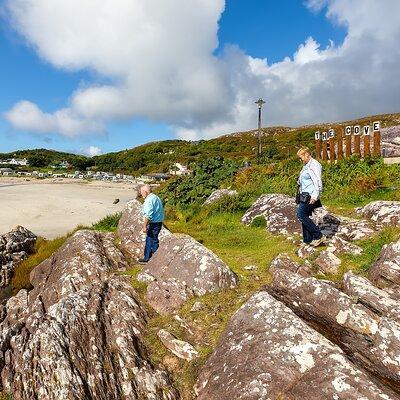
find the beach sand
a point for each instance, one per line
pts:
(51, 208)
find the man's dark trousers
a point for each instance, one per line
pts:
(151, 246)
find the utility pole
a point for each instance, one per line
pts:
(260, 103)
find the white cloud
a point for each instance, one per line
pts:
(158, 59)
(27, 116)
(92, 151)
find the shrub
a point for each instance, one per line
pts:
(259, 222)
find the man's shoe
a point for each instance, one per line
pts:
(142, 261)
(317, 242)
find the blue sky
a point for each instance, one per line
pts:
(260, 29)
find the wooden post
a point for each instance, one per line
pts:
(317, 145)
(324, 146)
(376, 127)
(340, 143)
(357, 149)
(331, 135)
(348, 140)
(367, 142)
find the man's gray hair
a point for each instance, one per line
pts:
(146, 188)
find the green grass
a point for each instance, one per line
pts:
(108, 223)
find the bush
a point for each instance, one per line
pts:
(259, 222)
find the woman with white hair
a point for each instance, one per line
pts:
(308, 198)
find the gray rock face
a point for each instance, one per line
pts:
(327, 262)
(386, 270)
(14, 247)
(267, 352)
(338, 245)
(178, 347)
(382, 212)
(184, 268)
(218, 194)
(390, 138)
(283, 261)
(279, 212)
(370, 340)
(79, 333)
(130, 229)
(378, 300)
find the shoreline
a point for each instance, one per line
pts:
(52, 208)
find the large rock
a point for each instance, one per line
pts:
(390, 138)
(79, 333)
(283, 261)
(183, 268)
(180, 269)
(386, 270)
(219, 194)
(370, 340)
(267, 352)
(382, 212)
(130, 229)
(179, 348)
(279, 212)
(15, 246)
(364, 292)
(327, 262)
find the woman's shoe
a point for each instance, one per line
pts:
(317, 242)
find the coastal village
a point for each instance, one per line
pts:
(16, 167)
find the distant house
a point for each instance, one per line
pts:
(156, 177)
(179, 169)
(15, 161)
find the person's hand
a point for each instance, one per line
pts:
(312, 200)
(144, 230)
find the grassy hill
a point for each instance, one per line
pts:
(279, 143)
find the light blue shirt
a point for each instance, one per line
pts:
(310, 178)
(153, 208)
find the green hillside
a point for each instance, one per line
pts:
(279, 143)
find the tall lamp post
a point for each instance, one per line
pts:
(260, 103)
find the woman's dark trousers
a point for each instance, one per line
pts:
(310, 230)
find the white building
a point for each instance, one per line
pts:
(179, 169)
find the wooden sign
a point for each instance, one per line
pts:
(317, 136)
(348, 131)
(324, 146)
(367, 145)
(340, 143)
(331, 144)
(357, 147)
(376, 128)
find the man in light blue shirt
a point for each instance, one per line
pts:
(153, 213)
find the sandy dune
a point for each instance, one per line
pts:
(51, 209)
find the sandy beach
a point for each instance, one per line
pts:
(52, 208)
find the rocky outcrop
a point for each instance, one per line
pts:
(338, 245)
(219, 194)
(328, 263)
(369, 339)
(130, 229)
(386, 270)
(184, 268)
(15, 246)
(79, 333)
(180, 269)
(391, 141)
(279, 212)
(178, 347)
(267, 352)
(283, 261)
(382, 212)
(377, 300)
